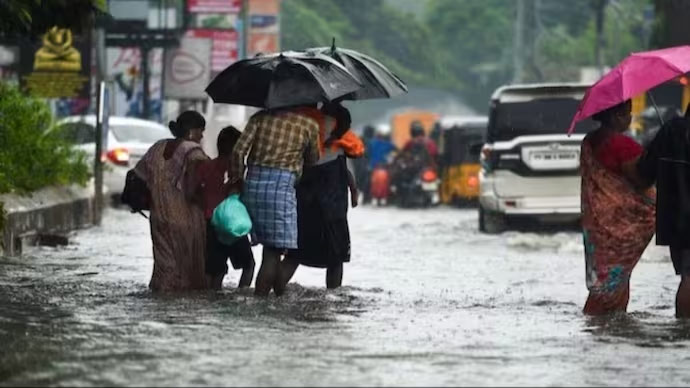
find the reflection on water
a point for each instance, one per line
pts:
(640, 329)
(428, 301)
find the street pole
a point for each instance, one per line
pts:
(246, 20)
(519, 43)
(599, 44)
(146, 106)
(98, 163)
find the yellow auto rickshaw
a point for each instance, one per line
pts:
(461, 141)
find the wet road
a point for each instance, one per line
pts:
(428, 301)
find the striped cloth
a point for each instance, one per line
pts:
(270, 198)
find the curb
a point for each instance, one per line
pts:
(45, 216)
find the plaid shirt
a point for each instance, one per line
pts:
(285, 140)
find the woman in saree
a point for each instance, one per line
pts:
(178, 226)
(322, 200)
(618, 211)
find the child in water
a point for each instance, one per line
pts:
(216, 185)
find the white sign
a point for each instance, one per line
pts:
(8, 55)
(187, 70)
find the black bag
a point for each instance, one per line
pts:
(136, 193)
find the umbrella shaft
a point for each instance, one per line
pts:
(656, 108)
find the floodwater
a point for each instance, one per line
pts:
(428, 301)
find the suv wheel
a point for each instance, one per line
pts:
(491, 222)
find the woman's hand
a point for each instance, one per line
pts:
(633, 176)
(354, 197)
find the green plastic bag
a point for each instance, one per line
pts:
(231, 220)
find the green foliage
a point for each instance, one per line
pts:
(30, 158)
(466, 46)
(3, 214)
(671, 27)
(477, 37)
(398, 39)
(35, 17)
(561, 53)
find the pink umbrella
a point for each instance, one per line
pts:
(635, 75)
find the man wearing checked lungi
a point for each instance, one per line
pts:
(278, 143)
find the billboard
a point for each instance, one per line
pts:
(57, 66)
(214, 6)
(263, 43)
(224, 46)
(123, 65)
(264, 24)
(187, 68)
(264, 27)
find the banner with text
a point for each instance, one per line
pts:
(214, 6)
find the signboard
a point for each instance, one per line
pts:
(214, 6)
(8, 55)
(187, 70)
(224, 46)
(58, 66)
(262, 43)
(264, 24)
(124, 68)
(264, 7)
(264, 27)
(225, 21)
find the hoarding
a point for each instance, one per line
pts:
(214, 6)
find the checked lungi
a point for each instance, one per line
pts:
(270, 198)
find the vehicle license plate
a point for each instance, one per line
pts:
(555, 156)
(429, 186)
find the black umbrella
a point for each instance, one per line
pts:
(377, 81)
(281, 80)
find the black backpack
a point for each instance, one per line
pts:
(136, 193)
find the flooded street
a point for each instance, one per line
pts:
(428, 301)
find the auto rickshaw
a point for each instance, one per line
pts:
(462, 137)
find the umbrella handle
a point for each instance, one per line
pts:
(656, 108)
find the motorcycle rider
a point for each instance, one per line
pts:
(418, 154)
(418, 136)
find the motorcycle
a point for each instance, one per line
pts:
(420, 190)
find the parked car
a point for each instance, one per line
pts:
(128, 140)
(529, 165)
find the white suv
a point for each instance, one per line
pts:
(529, 165)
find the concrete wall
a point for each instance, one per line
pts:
(48, 215)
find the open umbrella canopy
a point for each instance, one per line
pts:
(282, 80)
(635, 75)
(377, 80)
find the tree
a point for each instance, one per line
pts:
(35, 17)
(671, 26)
(476, 38)
(398, 39)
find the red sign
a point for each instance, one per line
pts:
(223, 49)
(214, 6)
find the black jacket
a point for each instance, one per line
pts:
(666, 161)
